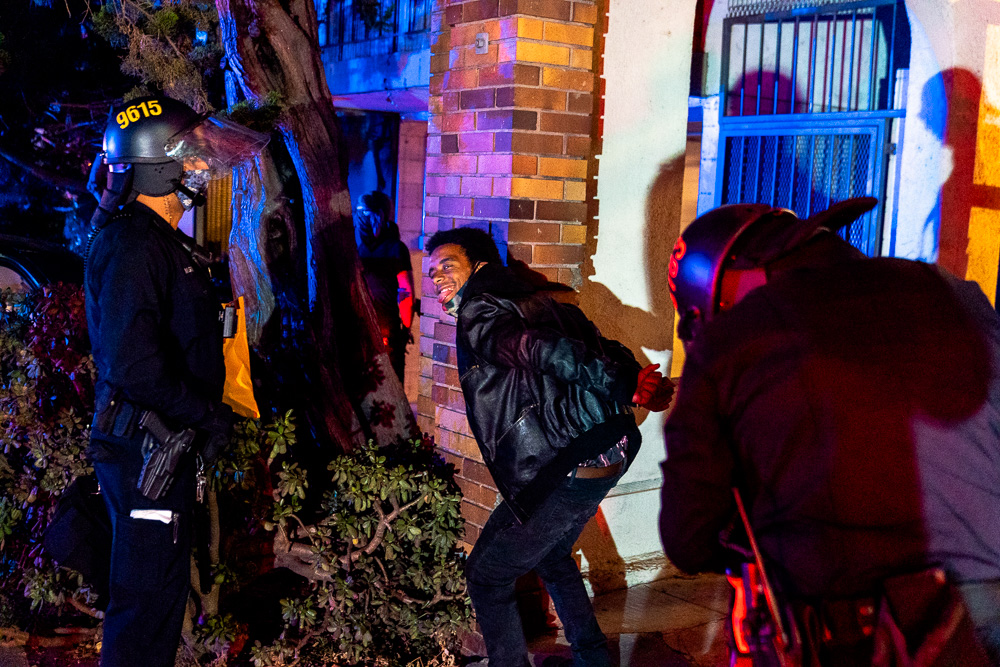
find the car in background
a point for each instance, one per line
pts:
(26, 264)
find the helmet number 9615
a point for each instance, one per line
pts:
(137, 111)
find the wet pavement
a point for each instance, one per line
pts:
(674, 621)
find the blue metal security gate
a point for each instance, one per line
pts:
(808, 168)
(807, 101)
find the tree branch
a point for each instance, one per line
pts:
(46, 176)
(301, 559)
(82, 608)
(385, 575)
(165, 36)
(384, 521)
(304, 530)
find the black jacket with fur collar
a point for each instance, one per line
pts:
(544, 391)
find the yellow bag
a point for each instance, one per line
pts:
(238, 392)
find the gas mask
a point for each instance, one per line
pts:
(451, 306)
(194, 184)
(371, 225)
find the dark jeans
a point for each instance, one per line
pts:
(150, 561)
(507, 549)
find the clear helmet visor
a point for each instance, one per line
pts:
(216, 145)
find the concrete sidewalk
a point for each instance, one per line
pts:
(674, 621)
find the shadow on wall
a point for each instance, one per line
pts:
(949, 107)
(634, 327)
(764, 94)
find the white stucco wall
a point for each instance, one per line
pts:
(646, 69)
(951, 48)
(924, 160)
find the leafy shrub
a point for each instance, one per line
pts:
(46, 394)
(386, 573)
(374, 536)
(382, 572)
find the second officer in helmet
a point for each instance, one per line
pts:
(851, 406)
(157, 343)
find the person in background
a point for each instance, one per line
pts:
(388, 272)
(549, 401)
(853, 403)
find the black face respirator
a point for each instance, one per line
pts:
(191, 190)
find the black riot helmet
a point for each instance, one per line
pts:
(729, 251)
(156, 146)
(137, 134)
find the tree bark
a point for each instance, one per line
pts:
(272, 45)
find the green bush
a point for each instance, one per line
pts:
(46, 398)
(383, 582)
(374, 536)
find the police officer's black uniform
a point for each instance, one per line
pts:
(855, 402)
(157, 343)
(156, 337)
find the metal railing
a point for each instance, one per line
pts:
(807, 104)
(363, 28)
(830, 58)
(751, 7)
(808, 168)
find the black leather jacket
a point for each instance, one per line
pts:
(544, 391)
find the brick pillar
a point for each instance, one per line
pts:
(508, 143)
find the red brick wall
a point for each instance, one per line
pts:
(508, 144)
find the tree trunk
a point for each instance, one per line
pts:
(273, 46)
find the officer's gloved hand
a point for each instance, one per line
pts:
(653, 391)
(217, 427)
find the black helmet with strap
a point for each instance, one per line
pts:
(725, 253)
(134, 160)
(136, 137)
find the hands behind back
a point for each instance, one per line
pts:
(653, 391)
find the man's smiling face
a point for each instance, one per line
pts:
(450, 269)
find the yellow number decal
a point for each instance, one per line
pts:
(131, 114)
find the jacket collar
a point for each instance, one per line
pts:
(496, 280)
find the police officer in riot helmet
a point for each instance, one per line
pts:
(157, 344)
(851, 405)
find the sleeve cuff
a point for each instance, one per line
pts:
(625, 386)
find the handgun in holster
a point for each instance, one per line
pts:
(160, 460)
